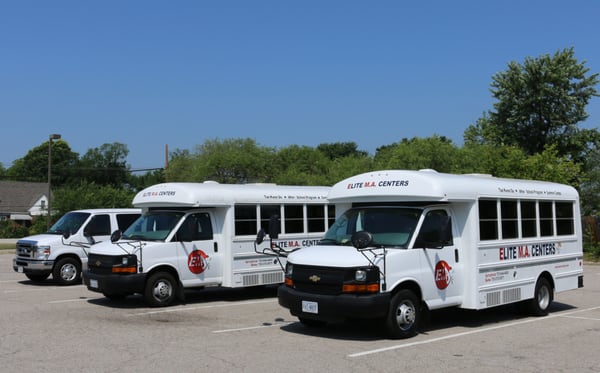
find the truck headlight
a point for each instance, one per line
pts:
(41, 252)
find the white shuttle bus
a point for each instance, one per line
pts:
(409, 241)
(203, 234)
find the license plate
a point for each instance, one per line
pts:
(310, 307)
(20, 269)
(94, 283)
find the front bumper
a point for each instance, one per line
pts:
(333, 308)
(23, 265)
(114, 284)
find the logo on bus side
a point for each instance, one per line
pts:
(197, 261)
(443, 274)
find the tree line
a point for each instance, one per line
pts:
(532, 132)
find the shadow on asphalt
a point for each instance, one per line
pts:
(366, 330)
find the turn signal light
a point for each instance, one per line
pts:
(124, 270)
(360, 288)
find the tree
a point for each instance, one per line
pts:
(105, 165)
(435, 152)
(87, 195)
(300, 165)
(233, 161)
(34, 165)
(341, 150)
(539, 103)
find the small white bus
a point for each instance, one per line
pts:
(203, 234)
(409, 241)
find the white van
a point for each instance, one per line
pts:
(202, 234)
(408, 241)
(62, 250)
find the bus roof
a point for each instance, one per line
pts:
(430, 185)
(215, 194)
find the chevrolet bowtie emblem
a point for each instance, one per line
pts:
(98, 263)
(314, 278)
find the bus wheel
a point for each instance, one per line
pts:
(161, 289)
(403, 316)
(542, 298)
(67, 271)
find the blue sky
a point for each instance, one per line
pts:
(155, 73)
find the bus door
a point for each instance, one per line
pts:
(440, 261)
(199, 257)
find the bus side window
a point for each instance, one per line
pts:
(436, 230)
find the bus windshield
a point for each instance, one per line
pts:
(389, 226)
(153, 226)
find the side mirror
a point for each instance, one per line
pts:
(116, 236)
(361, 239)
(66, 234)
(260, 236)
(274, 227)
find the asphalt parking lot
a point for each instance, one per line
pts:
(49, 328)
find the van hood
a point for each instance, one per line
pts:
(329, 256)
(120, 247)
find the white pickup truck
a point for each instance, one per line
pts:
(62, 250)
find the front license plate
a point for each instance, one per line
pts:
(310, 307)
(20, 269)
(94, 283)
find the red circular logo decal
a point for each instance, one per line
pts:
(442, 274)
(197, 261)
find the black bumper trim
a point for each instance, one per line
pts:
(115, 284)
(335, 307)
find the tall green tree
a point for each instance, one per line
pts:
(539, 103)
(300, 165)
(34, 165)
(341, 149)
(232, 161)
(105, 165)
(435, 152)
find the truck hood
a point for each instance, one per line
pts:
(329, 256)
(42, 239)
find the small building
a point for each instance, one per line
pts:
(20, 200)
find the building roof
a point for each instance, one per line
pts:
(20, 196)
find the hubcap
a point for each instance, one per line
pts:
(405, 315)
(162, 290)
(68, 272)
(544, 298)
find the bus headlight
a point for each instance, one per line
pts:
(360, 275)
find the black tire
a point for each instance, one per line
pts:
(404, 315)
(35, 277)
(542, 298)
(67, 271)
(161, 289)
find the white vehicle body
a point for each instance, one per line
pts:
(62, 251)
(507, 241)
(159, 257)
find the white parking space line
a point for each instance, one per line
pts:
(253, 327)
(184, 309)
(482, 330)
(69, 300)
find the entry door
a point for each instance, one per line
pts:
(199, 257)
(441, 267)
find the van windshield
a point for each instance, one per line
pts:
(389, 226)
(153, 226)
(69, 223)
